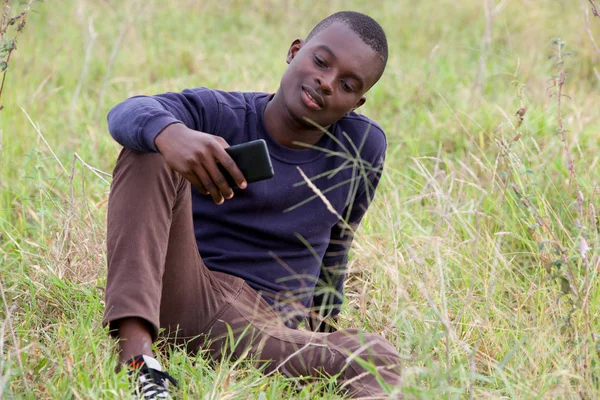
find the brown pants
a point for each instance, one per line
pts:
(156, 273)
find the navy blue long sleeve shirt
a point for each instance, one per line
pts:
(276, 234)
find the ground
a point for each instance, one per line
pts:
(479, 258)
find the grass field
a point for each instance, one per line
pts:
(479, 258)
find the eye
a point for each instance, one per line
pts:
(347, 87)
(320, 62)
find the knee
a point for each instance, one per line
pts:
(365, 350)
(359, 343)
(131, 160)
(369, 358)
(148, 166)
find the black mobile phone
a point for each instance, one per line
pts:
(252, 158)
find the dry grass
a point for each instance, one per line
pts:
(479, 258)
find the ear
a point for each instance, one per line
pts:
(294, 48)
(359, 103)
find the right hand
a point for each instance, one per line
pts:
(195, 155)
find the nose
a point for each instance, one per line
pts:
(325, 84)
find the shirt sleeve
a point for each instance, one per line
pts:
(329, 292)
(137, 121)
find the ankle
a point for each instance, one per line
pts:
(134, 339)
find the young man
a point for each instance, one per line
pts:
(267, 250)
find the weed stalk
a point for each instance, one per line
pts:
(9, 44)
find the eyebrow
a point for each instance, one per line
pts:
(353, 75)
(326, 49)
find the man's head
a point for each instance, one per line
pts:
(364, 26)
(329, 72)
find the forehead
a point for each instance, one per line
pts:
(350, 50)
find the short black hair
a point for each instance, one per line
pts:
(364, 26)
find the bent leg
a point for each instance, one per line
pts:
(362, 360)
(154, 270)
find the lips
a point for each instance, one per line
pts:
(311, 98)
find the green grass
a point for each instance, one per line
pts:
(456, 262)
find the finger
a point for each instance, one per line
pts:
(202, 189)
(196, 182)
(219, 179)
(209, 185)
(230, 166)
(222, 142)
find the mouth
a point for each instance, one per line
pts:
(312, 99)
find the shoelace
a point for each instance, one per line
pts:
(153, 383)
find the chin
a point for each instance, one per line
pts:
(298, 113)
(306, 121)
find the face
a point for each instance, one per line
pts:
(328, 76)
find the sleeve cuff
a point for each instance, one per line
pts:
(153, 127)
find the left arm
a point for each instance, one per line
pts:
(329, 292)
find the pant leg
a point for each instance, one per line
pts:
(154, 269)
(362, 360)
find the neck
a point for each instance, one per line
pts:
(286, 129)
